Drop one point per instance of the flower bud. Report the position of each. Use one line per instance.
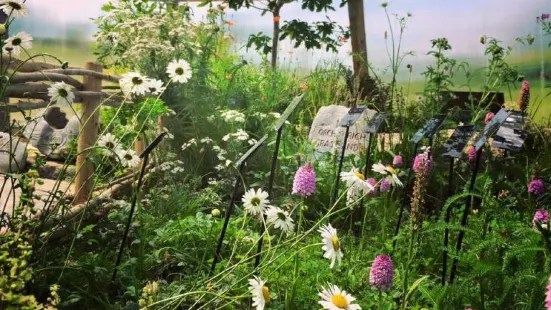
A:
(3, 29)
(215, 213)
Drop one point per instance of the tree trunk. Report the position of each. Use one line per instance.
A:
(275, 38)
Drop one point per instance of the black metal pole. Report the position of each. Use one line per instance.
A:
(129, 221)
(405, 198)
(465, 215)
(229, 210)
(339, 170)
(447, 219)
(368, 155)
(270, 191)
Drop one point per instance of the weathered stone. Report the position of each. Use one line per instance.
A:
(327, 135)
(44, 137)
(73, 127)
(56, 118)
(13, 155)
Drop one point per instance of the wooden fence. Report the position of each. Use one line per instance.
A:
(30, 85)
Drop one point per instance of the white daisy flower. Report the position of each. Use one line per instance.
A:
(61, 93)
(134, 83)
(155, 86)
(110, 144)
(335, 299)
(261, 293)
(390, 173)
(255, 201)
(331, 244)
(15, 8)
(280, 219)
(129, 158)
(179, 71)
(355, 180)
(20, 41)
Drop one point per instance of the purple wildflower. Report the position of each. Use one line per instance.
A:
(305, 181)
(524, 98)
(488, 117)
(541, 216)
(536, 187)
(423, 163)
(471, 153)
(373, 183)
(385, 186)
(548, 295)
(382, 273)
(397, 161)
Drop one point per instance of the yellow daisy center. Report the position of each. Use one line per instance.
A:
(359, 175)
(390, 169)
(266, 294)
(335, 242)
(255, 201)
(340, 301)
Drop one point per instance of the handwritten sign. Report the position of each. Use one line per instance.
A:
(453, 148)
(376, 122)
(327, 135)
(491, 128)
(429, 129)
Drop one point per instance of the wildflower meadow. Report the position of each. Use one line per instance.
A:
(172, 173)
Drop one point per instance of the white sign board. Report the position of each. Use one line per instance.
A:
(328, 136)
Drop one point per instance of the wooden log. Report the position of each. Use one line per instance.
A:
(88, 136)
(30, 105)
(30, 66)
(84, 72)
(40, 91)
(45, 76)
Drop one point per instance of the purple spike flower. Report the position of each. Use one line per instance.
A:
(524, 98)
(548, 295)
(385, 186)
(397, 161)
(536, 187)
(541, 216)
(304, 184)
(372, 182)
(381, 274)
(423, 163)
(471, 153)
(488, 117)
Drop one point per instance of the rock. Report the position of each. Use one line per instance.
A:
(46, 138)
(16, 150)
(56, 118)
(327, 135)
(72, 128)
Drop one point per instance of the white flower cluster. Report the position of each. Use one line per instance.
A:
(233, 116)
(189, 143)
(240, 135)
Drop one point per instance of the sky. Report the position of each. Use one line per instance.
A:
(462, 22)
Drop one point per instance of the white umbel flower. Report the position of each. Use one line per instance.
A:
(390, 173)
(280, 219)
(179, 71)
(331, 244)
(61, 93)
(155, 86)
(333, 298)
(109, 144)
(14, 8)
(134, 83)
(261, 293)
(255, 201)
(129, 158)
(21, 41)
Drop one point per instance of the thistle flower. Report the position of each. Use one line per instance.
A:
(541, 216)
(385, 186)
(548, 295)
(536, 187)
(398, 161)
(488, 117)
(381, 274)
(524, 98)
(304, 184)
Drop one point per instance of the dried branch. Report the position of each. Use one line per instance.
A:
(77, 71)
(29, 105)
(45, 76)
(40, 91)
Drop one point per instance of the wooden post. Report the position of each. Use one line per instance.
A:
(359, 45)
(89, 126)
